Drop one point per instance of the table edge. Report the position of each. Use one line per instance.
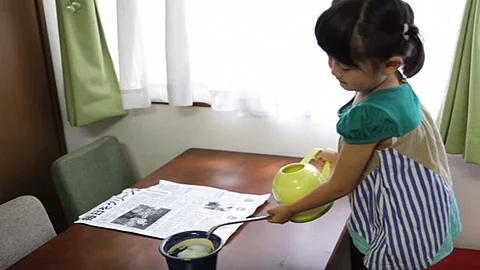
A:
(336, 250)
(191, 149)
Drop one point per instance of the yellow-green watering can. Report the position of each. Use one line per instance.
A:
(295, 180)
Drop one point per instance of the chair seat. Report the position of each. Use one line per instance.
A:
(463, 259)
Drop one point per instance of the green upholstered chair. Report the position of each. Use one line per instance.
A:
(90, 175)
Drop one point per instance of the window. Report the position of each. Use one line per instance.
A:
(256, 57)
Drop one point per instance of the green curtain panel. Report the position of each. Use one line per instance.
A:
(459, 119)
(92, 91)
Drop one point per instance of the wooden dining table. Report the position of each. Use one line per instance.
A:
(254, 246)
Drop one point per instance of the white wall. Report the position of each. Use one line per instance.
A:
(157, 134)
(154, 136)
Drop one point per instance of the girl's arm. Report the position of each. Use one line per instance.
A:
(351, 162)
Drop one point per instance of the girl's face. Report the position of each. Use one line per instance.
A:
(360, 79)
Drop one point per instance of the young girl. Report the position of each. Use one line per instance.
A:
(391, 158)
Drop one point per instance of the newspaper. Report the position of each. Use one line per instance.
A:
(168, 208)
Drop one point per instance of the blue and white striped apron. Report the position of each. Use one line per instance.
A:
(402, 210)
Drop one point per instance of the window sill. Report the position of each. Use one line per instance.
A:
(195, 104)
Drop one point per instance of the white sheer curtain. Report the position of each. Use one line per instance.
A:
(254, 56)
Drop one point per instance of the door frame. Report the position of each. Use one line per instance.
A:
(42, 24)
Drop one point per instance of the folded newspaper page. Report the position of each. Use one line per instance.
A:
(168, 208)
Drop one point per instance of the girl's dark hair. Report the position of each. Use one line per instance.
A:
(356, 30)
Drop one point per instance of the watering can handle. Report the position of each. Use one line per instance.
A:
(312, 155)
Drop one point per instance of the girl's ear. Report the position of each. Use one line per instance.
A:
(392, 65)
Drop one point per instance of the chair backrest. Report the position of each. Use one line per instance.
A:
(24, 227)
(90, 175)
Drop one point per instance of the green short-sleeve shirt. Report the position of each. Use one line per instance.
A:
(404, 187)
(391, 112)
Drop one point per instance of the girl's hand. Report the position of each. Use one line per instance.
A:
(280, 214)
(327, 155)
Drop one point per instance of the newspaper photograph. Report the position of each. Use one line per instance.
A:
(168, 207)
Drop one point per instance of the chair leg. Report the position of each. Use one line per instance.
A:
(357, 257)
